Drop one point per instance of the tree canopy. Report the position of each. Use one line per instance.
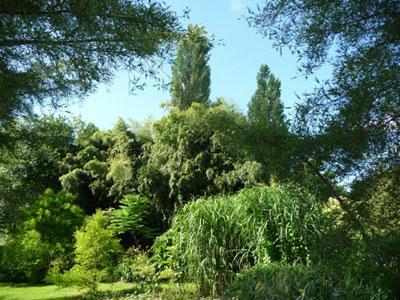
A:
(349, 126)
(54, 50)
(102, 168)
(33, 164)
(198, 151)
(356, 113)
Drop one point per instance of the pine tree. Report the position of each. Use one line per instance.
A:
(190, 71)
(265, 107)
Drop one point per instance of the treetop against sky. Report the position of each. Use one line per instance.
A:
(234, 62)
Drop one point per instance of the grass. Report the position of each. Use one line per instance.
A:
(116, 290)
(47, 292)
(218, 236)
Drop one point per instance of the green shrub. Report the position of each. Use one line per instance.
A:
(96, 254)
(357, 259)
(46, 234)
(76, 276)
(96, 247)
(166, 257)
(281, 281)
(135, 266)
(123, 271)
(175, 291)
(217, 237)
(166, 274)
(142, 270)
(25, 257)
(345, 251)
(387, 246)
(272, 281)
(56, 216)
(131, 216)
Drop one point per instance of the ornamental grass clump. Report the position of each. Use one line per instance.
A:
(219, 236)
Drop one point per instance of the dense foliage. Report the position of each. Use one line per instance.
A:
(96, 251)
(25, 257)
(45, 235)
(242, 206)
(96, 247)
(54, 50)
(354, 117)
(219, 236)
(196, 152)
(103, 166)
(33, 164)
(55, 216)
(350, 124)
(280, 281)
(132, 217)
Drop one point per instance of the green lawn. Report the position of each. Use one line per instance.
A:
(45, 292)
(113, 291)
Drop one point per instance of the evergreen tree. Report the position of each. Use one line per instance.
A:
(191, 72)
(265, 107)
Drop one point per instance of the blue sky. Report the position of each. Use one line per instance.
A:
(234, 66)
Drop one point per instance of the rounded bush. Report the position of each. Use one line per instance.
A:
(25, 258)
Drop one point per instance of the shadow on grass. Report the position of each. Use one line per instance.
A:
(102, 294)
(115, 294)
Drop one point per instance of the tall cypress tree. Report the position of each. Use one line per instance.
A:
(190, 71)
(265, 107)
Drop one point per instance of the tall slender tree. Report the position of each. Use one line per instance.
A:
(190, 71)
(265, 107)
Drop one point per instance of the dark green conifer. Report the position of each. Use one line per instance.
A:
(190, 71)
